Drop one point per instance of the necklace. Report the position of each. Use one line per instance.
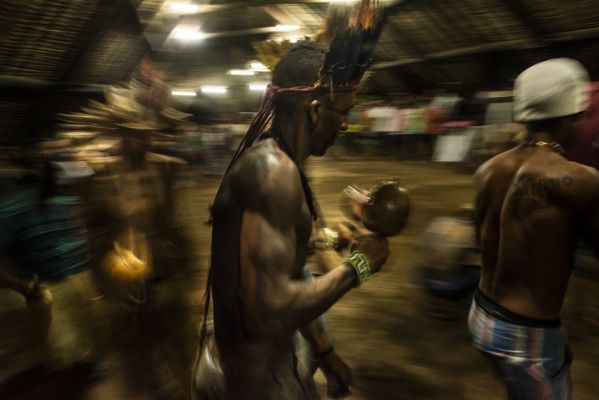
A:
(555, 146)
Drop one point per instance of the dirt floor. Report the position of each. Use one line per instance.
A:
(384, 330)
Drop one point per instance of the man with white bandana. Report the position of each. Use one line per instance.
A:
(532, 205)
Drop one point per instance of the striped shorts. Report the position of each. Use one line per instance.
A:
(534, 362)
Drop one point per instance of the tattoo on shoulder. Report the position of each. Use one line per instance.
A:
(537, 190)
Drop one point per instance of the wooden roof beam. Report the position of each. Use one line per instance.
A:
(569, 36)
(520, 10)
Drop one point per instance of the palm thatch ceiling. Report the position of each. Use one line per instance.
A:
(54, 53)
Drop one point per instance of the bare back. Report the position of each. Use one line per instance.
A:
(532, 206)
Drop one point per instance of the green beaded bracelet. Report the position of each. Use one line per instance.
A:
(360, 263)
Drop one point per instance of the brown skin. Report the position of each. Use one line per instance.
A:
(531, 206)
(338, 375)
(261, 230)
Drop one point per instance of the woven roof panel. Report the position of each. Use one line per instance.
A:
(40, 36)
(563, 16)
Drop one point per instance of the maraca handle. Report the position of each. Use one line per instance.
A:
(354, 193)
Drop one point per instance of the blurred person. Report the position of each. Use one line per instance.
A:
(262, 223)
(531, 206)
(44, 256)
(584, 148)
(453, 239)
(215, 139)
(140, 255)
(435, 117)
(449, 261)
(139, 261)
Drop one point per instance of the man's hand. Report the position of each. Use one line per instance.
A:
(37, 295)
(338, 238)
(338, 375)
(346, 235)
(375, 248)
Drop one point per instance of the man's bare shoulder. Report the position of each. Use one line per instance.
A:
(582, 171)
(502, 164)
(264, 176)
(584, 179)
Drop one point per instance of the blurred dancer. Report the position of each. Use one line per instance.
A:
(449, 262)
(584, 149)
(262, 221)
(44, 256)
(532, 204)
(139, 254)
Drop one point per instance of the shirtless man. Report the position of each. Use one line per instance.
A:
(261, 227)
(532, 205)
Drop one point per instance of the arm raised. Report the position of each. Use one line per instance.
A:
(274, 299)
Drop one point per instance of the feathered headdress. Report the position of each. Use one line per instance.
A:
(352, 44)
(138, 107)
(270, 52)
(351, 34)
